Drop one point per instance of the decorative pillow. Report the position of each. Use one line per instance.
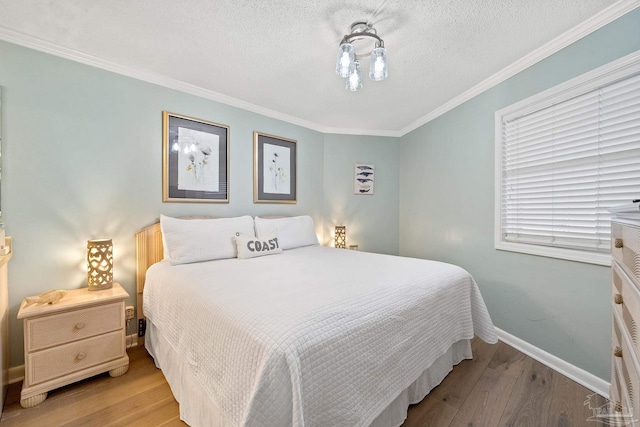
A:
(194, 240)
(292, 232)
(251, 247)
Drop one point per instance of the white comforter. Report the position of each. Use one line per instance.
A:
(315, 336)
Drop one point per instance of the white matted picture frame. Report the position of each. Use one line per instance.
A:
(363, 178)
(274, 169)
(195, 160)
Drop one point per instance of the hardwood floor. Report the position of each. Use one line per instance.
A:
(499, 387)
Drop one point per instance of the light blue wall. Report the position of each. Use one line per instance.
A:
(371, 221)
(447, 212)
(82, 159)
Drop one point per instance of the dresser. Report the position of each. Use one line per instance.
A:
(625, 273)
(80, 336)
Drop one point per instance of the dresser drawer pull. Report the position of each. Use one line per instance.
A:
(81, 356)
(618, 243)
(79, 325)
(617, 298)
(617, 352)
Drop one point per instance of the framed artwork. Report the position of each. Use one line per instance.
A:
(363, 178)
(195, 160)
(274, 169)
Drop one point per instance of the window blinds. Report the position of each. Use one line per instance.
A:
(565, 164)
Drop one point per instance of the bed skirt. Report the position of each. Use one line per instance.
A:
(197, 410)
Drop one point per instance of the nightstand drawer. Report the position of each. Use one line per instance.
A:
(58, 361)
(71, 326)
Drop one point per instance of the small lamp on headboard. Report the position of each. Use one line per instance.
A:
(341, 236)
(99, 264)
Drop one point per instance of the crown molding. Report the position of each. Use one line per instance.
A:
(597, 21)
(592, 24)
(35, 43)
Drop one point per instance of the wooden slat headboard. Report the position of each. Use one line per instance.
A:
(149, 250)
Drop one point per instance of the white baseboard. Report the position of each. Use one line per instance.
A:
(570, 371)
(16, 374)
(132, 340)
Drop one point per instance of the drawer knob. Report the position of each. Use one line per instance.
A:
(617, 298)
(81, 356)
(79, 325)
(617, 352)
(617, 243)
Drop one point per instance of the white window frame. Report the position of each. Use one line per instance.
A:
(616, 70)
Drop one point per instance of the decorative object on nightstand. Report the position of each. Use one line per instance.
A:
(340, 236)
(81, 336)
(49, 297)
(99, 264)
(625, 289)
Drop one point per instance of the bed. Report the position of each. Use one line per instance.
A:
(312, 336)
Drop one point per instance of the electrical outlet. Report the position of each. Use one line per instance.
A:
(128, 312)
(142, 327)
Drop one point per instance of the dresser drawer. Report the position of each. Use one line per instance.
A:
(625, 247)
(63, 360)
(62, 328)
(625, 366)
(626, 304)
(619, 403)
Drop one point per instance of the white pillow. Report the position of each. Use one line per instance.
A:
(292, 232)
(194, 240)
(251, 247)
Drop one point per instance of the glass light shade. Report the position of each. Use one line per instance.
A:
(99, 264)
(378, 70)
(341, 236)
(354, 79)
(346, 57)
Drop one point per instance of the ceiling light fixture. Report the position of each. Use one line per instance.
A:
(348, 63)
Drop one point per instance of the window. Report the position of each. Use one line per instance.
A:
(563, 157)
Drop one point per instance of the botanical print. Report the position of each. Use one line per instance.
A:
(198, 163)
(276, 169)
(363, 179)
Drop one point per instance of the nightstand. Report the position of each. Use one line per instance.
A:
(80, 336)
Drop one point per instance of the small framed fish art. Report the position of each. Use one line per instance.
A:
(363, 179)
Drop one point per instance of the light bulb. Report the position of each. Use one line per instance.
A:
(354, 79)
(378, 70)
(346, 57)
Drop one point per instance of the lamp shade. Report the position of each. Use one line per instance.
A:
(99, 264)
(354, 79)
(341, 236)
(378, 69)
(346, 57)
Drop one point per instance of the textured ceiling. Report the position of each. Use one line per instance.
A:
(280, 54)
